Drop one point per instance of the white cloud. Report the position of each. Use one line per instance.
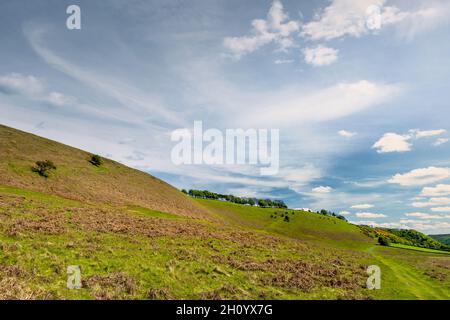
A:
(392, 142)
(421, 215)
(440, 141)
(340, 18)
(344, 213)
(441, 209)
(322, 189)
(379, 225)
(346, 134)
(276, 28)
(32, 88)
(431, 202)
(320, 55)
(350, 18)
(370, 215)
(421, 176)
(362, 206)
(437, 191)
(427, 133)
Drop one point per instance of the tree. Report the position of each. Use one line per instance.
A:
(43, 168)
(383, 241)
(184, 191)
(96, 160)
(262, 203)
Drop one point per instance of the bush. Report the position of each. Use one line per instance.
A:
(286, 218)
(383, 241)
(43, 168)
(96, 160)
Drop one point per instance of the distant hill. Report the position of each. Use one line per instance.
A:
(442, 238)
(407, 237)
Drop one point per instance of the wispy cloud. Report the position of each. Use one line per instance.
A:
(322, 189)
(346, 134)
(33, 88)
(131, 99)
(348, 18)
(362, 206)
(422, 215)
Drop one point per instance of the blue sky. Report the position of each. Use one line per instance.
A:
(362, 108)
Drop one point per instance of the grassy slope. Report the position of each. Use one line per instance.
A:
(302, 225)
(131, 247)
(75, 178)
(404, 246)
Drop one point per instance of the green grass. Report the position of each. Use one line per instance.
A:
(404, 246)
(152, 213)
(188, 267)
(409, 275)
(302, 225)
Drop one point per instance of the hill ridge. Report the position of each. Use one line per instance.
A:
(77, 179)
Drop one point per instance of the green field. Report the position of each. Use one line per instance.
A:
(135, 237)
(404, 246)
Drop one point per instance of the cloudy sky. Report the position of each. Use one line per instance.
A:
(359, 90)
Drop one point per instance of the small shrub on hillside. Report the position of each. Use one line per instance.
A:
(43, 168)
(286, 218)
(383, 241)
(96, 160)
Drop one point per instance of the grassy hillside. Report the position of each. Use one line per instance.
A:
(135, 237)
(442, 238)
(77, 179)
(299, 224)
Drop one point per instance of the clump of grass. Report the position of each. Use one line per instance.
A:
(43, 168)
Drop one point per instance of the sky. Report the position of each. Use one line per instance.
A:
(359, 91)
